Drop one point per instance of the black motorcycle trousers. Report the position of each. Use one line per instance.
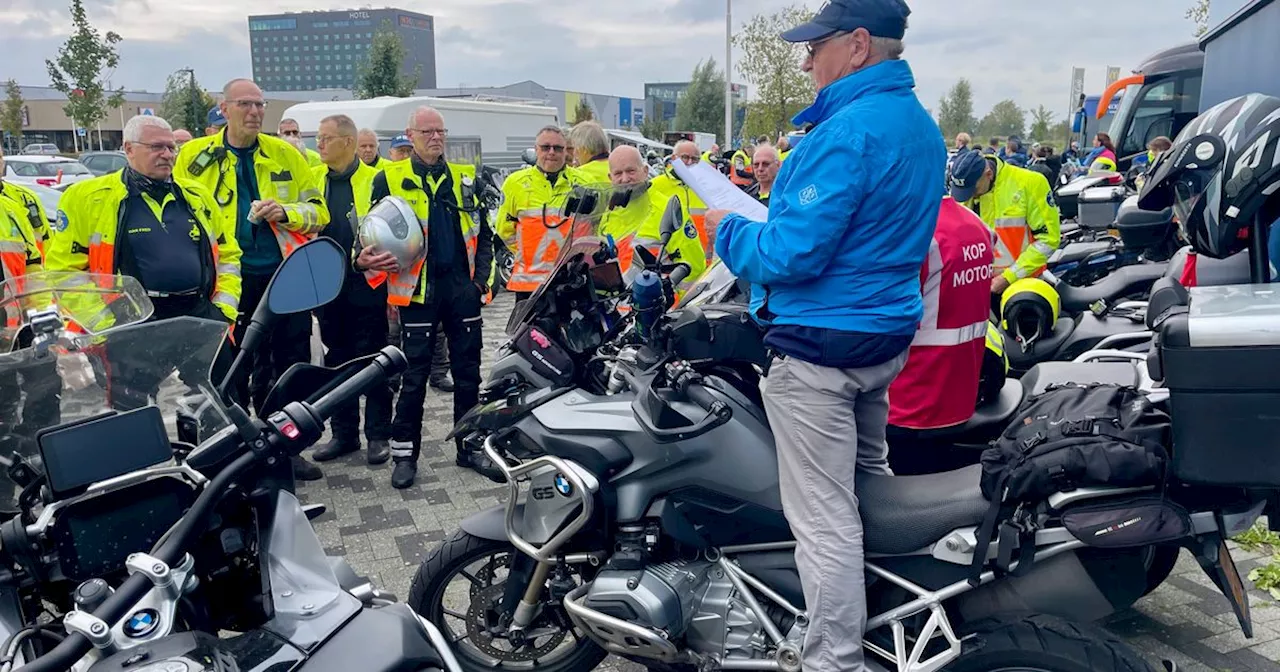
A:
(350, 330)
(454, 304)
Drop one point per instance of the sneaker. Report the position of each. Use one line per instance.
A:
(404, 473)
(443, 383)
(305, 471)
(480, 463)
(334, 449)
(379, 452)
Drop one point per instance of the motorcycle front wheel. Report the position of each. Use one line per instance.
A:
(1041, 643)
(459, 588)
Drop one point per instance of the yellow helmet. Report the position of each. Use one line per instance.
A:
(1028, 309)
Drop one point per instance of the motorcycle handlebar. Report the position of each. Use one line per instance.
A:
(678, 274)
(704, 399)
(174, 546)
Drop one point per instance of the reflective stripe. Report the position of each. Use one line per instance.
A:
(229, 269)
(226, 300)
(13, 246)
(1011, 222)
(945, 337)
(931, 292)
(1042, 247)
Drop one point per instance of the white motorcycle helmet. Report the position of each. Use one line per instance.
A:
(391, 226)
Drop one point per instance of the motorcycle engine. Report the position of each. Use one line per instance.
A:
(689, 599)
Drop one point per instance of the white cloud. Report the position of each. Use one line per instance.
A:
(1017, 49)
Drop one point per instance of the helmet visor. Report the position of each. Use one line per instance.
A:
(1189, 190)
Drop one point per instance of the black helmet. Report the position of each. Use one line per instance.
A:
(1222, 171)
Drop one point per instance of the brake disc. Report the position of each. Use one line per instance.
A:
(487, 574)
(484, 630)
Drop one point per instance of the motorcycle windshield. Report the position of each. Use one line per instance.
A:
(579, 238)
(60, 376)
(715, 286)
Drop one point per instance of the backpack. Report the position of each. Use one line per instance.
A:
(1070, 436)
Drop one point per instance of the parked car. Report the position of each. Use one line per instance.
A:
(44, 170)
(101, 163)
(49, 198)
(45, 148)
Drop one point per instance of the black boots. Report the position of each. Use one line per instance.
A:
(404, 473)
(304, 470)
(379, 451)
(480, 463)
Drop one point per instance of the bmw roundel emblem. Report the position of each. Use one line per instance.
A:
(563, 486)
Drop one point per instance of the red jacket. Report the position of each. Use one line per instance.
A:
(939, 385)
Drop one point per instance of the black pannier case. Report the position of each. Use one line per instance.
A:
(1220, 360)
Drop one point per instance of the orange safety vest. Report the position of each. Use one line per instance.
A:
(529, 223)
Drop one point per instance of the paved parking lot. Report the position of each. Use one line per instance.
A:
(385, 533)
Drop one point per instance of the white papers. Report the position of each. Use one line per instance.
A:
(718, 192)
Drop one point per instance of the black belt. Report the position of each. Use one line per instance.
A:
(172, 295)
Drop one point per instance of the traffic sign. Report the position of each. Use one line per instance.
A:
(147, 111)
(80, 132)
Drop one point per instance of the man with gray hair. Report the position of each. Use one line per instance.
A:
(292, 133)
(367, 148)
(167, 233)
(835, 273)
(591, 144)
(447, 288)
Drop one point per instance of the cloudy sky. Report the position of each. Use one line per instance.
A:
(1023, 49)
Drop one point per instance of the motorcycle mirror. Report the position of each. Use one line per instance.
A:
(672, 220)
(530, 156)
(308, 278)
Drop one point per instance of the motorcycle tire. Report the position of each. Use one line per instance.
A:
(1163, 560)
(1040, 643)
(443, 565)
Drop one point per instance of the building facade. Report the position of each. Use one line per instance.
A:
(305, 51)
(660, 99)
(610, 111)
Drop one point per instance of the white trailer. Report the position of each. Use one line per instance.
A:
(492, 133)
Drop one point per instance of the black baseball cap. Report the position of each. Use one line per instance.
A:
(881, 18)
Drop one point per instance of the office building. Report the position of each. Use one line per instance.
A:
(610, 111)
(306, 51)
(661, 99)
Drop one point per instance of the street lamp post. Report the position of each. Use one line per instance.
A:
(728, 74)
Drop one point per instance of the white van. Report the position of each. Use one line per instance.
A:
(492, 133)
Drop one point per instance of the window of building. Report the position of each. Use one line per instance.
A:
(346, 36)
(273, 24)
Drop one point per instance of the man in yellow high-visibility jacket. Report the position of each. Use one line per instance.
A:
(531, 213)
(668, 183)
(592, 146)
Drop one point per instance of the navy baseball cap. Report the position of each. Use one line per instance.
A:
(400, 141)
(966, 172)
(881, 18)
(216, 118)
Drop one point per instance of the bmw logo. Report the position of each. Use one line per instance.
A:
(563, 486)
(142, 623)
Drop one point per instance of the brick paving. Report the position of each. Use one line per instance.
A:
(385, 533)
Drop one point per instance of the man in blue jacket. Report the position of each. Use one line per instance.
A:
(836, 278)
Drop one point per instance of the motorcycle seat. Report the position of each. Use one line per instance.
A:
(1042, 375)
(1123, 282)
(902, 514)
(1021, 360)
(995, 413)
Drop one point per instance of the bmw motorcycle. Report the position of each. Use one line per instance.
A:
(125, 548)
(645, 521)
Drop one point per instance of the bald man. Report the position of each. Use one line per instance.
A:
(448, 289)
(766, 163)
(181, 137)
(638, 222)
(668, 183)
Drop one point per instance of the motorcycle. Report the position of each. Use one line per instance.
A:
(197, 540)
(647, 523)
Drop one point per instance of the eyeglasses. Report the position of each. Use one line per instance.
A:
(326, 139)
(689, 158)
(246, 104)
(815, 46)
(431, 131)
(158, 147)
(551, 148)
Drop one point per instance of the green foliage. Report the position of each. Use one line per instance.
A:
(185, 104)
(583, 111)
(11, 111)
(653, 128)
(1041, 124)
(379, 73)
(955, 111)
(78, 70)
(772, 66)
(1260, 538)
(1004, 119)
(1267, 577)
(701, 109)
(1199, 14)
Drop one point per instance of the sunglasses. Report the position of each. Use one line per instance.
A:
(551, 148)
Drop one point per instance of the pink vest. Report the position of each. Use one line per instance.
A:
(939, 385)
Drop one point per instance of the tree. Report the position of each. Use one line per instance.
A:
(653, 128)
(11, 112)
(77, 72)
(185, 104)
(701, 108)
(1041, 124)
(1199, 14)
(379, 73)
(773, 67)
(955, 111)
(1060, 135)
(583, 111)
(1004, 119)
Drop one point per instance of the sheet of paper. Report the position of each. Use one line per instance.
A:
(718, 192)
